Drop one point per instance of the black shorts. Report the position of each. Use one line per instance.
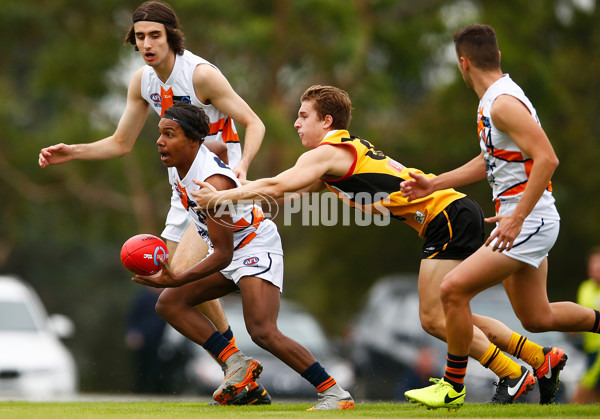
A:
(456, 232)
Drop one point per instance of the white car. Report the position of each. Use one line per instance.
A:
(34, 363)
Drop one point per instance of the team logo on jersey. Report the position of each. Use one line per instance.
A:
(251, 261)
(182, 192)
(395, 165)
(156, 98)
(419, 217)
(184, 99)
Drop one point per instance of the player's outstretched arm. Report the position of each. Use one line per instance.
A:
(417, 186)
(55, 154)
(117, 145)
(306, 173)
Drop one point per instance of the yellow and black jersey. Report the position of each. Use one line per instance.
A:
(373, 185)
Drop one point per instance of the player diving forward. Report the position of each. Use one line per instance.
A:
(450, 223)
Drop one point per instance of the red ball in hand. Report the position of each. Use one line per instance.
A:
(140, 254)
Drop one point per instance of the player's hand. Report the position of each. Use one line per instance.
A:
(241, 171)
(162, 279)
(55, 154)
(205, 197)
(504, 235)
(417, 186)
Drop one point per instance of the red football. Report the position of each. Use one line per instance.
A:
(140, 254)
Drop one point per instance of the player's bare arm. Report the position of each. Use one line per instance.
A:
(218, 148)
(512, 117)
(117, 145)
(212, 87)
(220, 230)
(419, 186)
(290, 197)
(310, 167)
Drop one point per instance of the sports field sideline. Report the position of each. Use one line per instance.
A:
(189, 410)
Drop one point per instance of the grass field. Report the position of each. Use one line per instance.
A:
(187, 410)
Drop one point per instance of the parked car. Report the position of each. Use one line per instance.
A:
(392, 353)
(34, 363)
(203, 375)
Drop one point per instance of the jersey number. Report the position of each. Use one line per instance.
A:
(371, 152)
(220, 163)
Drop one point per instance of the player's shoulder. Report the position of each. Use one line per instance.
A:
(136, 79)
(327, 156)
(135, 85)
(205, 72)
(139, 72)
(505, 108)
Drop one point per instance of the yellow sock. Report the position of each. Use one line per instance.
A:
(500, 364)
(530, 352)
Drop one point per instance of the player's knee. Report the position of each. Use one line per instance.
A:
(164, 305)
(262, 334)
(446, 292)
(451, 294)
(162, 309)
(535, 325)
(432, 324)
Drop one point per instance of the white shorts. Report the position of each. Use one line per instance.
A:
(535, 240)
(177, 221)
(263, 265)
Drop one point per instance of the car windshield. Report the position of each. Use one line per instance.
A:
(16, 317)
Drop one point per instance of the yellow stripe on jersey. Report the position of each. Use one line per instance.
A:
(373, 185)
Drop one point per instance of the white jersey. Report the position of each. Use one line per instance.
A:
(180, 88)
(507, 166)
(249, 222)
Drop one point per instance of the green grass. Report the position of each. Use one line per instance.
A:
(187, 410)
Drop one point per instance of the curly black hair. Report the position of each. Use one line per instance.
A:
(192, 119)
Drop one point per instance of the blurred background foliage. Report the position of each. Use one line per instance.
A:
(63, 78)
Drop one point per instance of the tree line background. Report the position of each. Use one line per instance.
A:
(63, 77)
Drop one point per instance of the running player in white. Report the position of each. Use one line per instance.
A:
(173, 74)
(518, 161)
(245, 254)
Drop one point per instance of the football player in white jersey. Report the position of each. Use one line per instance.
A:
(518, 161)
(246, 254)
(156, 35)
